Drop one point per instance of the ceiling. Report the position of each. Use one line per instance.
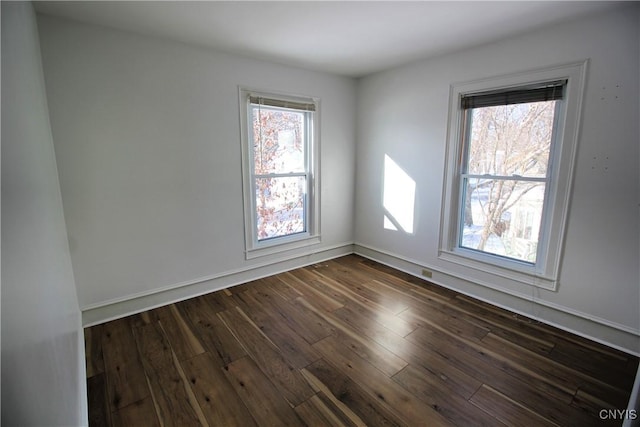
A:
(351, 38)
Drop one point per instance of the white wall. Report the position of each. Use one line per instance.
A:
(147, 139)
(43, 377)
(403, 113)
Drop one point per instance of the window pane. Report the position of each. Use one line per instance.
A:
(280, 206)
(511, 140)
(502, 217)
(278, 137)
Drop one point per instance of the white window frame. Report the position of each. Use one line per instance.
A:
(544, 273)
(311, 235)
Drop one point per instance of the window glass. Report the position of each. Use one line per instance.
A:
(280, 206)
(279, 137)
(511, 139)
(504, 178)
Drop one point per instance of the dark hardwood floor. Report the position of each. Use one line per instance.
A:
(347, 342)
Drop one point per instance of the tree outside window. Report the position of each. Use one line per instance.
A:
(279, 163)
(505, 177)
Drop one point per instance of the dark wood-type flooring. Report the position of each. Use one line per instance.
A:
(347, 342)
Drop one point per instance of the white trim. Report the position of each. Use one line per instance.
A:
(82, 375)
(283, 244)
(524, 277)
(105, 311)
(612, 334)
(546, 271)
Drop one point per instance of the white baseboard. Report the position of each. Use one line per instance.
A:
(603, 331)
(132, 304)
(582, 324)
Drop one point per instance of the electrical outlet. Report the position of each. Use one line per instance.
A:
(427, 273)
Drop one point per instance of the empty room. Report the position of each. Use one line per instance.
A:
(320, 213)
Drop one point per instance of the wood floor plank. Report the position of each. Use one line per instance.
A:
(299, 318)
(282, 288)
(98, 404)
(371, 290)
(218, 301)
(507, 325)
(183, 340)
(356, 295)
(403, 282)
(293, 347)
(561, 384)
(353, 333)
(321, 300)
(487, 366)
(262, 398)
(372, 352)
(315, 412)
(561, 375)
(291, 383)
(387, 319)
(589, 404)
(438, 292)
(506, 410)
(93, 350)
(169, 388)
(310, 325)
(592, 363)
(534, 330)
(212, 332)
(149, 316)
(335, 270)
(126, 382)
(390, 321)
(140, 413)
(416, 298)
(339, 412)
(539, 396)
(438, 365)
(450, 405)
(602, 397)
(452, 323)
(379, 386)
(218, 399)
(432, 361)
(362, 408)
(314, 290)
(394, 286)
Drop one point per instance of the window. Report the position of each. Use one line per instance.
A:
(509, 166)
(507, 141)
(280, 171)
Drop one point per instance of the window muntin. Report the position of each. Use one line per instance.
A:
(280, 168)
(504, 176)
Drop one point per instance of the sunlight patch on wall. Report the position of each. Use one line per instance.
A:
(398, 199)
(388, 224)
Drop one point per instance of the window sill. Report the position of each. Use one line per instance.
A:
(282, 244)
(500, 268)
